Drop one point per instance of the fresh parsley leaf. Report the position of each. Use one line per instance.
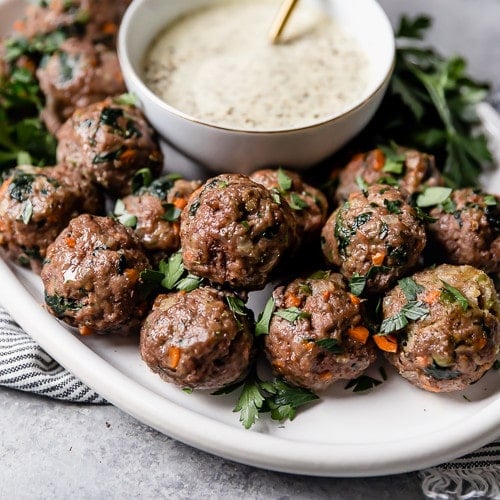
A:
(188, 283)
(357, 284)
(122, 216)
(292, 314)
(297, 203)
(284, 181)
(126, 99)
(27, 211)
(249, 403)
(362, 383)
(142, 178)
(415, 309)
(490, 200)
(410, 288)
(451, 294)
(413, 28)
(393, 206)
(362, 184)
(173, 269)
(236, 305)
(433, 195)
(172, 213)
(264, 318)
(331, 345)
(412, 310)
(393, 323)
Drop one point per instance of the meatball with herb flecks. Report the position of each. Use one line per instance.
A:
(408, 169)
(202, 339)
(235, 233)
(466, 229)
(316, 334)
(35, 205)
(91, 276)
(375, 236)
(110, 141)
(308, 203)
(154, 211)
(77, 75)
(445, 324)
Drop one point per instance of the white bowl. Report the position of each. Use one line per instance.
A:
(232, 150)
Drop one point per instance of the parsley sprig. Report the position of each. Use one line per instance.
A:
(276, 397)
(430, 106)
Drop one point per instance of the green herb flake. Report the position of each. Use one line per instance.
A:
(489, 200)
(451, 294)
(432, 196)
(172, 270)
(284, 181)
(393, 206)
(362, 384)
(292, 314)
(187, 390)
(297, 203)
(357, 284)
(362, 184)
(236, 305)
(410, 288)
(27, 212)
(264, 318)
(127, 99)
(172, 213)
(142, 178)
(330, 345)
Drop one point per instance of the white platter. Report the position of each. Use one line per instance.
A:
(394, 428)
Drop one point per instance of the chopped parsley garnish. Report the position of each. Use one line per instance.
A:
(394, 161)
(122, 216)
(331, 345)
(433, 196)
(362, 184)
(451, 294)
(172, 213)
(410, 288)
(297, 203)
(292, 314)
(441, 372)
(277, 397)
(393, 206)
(284, 181)
(357, 282)
(489, 200)
(264, 318)
(411, 311)
(61, 304)
(362, 383)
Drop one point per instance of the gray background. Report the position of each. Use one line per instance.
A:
(50, 449)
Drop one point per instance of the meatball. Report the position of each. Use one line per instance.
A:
(78, 74)
(96, 20)
(35, 205)
(467, 230)
(308, 203)
(408, 169)
(450, 330)
(154, 213)
(375, 234)
(313, 339)
(109, 140)
(91, 276)
(234, 233)
(196, 340)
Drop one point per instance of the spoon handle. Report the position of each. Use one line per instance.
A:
(281, 19)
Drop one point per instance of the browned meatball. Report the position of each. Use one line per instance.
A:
(109, 140)
(234, 233)
(467, 230)
(375, 234)
(97, 20)
(409, 169)
(195, 339)
(309, 204)
(91, 276)
(35, 205)
(154, 214)
(78, 74)
(446, 322)
(312, 339)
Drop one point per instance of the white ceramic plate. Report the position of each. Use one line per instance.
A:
(394, 428)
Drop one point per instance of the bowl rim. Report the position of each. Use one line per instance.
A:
(127, 66)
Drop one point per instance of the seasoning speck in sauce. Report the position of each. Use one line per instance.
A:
(217, 65)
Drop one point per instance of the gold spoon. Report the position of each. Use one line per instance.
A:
(281, 19)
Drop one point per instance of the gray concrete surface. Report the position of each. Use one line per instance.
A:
(53, 450)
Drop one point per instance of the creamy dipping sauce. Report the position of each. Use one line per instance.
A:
(217, 65)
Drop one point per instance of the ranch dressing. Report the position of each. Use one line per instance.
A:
(217, 65)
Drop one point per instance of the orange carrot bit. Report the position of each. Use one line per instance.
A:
(378, 159)
(481, 342)
(359, 333)
(432, 296)
(70, 242)
(18, 25)
(131, 274)
(387, 343)
(127, 155)
(326, 295)
(176, 228)
(85, 330)
(325, 376)
(5, 186)
(309, 345)
(378, 258)
(173, 356)
(354, 299)
(109, 28)
(179, 203)
(292, 300)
